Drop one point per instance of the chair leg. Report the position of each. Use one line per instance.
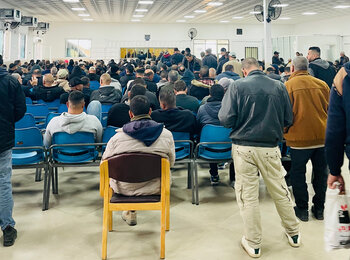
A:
(110, 221)
(56, 180)
(104, 232)
(46, 192)
(162, 233)
(192, 179)
(189, 176)
(196, 183)
(38, 174)
(167, 214)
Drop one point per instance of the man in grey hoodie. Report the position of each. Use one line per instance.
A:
(74, 121)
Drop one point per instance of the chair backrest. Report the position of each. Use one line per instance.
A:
(38, 111)
(182, 149)
(27, 137)
(29, 100)
(50, 116)
(94, 85)
(106, 108)
(53, 105)
(134, 167)
(104, 119)
(62, 108)
(215, 133)
(74, 154)
(108, 133)
(27, 121)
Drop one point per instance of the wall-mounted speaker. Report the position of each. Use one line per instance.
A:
(239, 32)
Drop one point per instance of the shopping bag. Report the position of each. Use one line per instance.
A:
(337, 220)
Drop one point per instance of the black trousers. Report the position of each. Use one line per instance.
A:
(214, 170)
(319, 176)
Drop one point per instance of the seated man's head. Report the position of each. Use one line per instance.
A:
(48, 80)
(137, 81)
(76, 84)
(18, 77)
(287, 70)
(217, 92)
(62, 74)
(105, 79)
(164, 75)
(173, 76)
(92, 70)
(180, 87)
(86, 82)
(229, 67)
(76, 102)
(212, 73)
(129, 69)
(204, 72)
(270, 70)
(167, 98)
(140, 72)
(136, 90)
(139, 105)
(149, 74)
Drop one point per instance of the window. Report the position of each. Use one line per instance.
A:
(22, 46)
(1, 42)
(78, 48)
(251, 52)
(215, 45)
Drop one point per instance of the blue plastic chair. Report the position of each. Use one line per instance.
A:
(94, 85)
(214, 147)
(27, 121)
(53, 105)
(106, 108)
(29, 100)
(50, 116)
(104, 119)
(39, 111)
(108, 133)
(62, 108)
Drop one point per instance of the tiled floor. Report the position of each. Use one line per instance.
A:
(71, 228)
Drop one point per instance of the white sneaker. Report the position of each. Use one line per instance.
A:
(129, 217)
(294, 241)
(255, 253)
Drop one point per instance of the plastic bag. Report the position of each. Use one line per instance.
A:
(337, 220)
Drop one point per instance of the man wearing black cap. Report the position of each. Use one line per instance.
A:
(276, 58)
(177, 57)
(223, 59)
(75, 84)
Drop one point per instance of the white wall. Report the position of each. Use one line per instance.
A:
(108, 38)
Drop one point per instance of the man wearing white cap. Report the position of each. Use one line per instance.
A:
(237, 67)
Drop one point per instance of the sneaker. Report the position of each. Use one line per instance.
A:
(214, 180)
(232, 184)
(318, 213)
(294, 241)
(255, 253)
(10, 235)
(302, 214)
(129, 217)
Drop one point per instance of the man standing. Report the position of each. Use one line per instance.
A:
(276, 58)
(306, 137)
(257, 109)
(319, 68)
(236, 65)
(343, 59)
(13, 108)
(209, 60)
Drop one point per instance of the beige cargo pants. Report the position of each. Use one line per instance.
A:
(249, 161)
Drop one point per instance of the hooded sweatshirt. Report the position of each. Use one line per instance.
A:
(208, 113)
(322, 70)
(12, 107)
(338, 124)
(71, 124)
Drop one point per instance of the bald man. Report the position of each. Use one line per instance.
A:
(47, 92)
(106, 94)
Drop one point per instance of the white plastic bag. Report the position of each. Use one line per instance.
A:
(337, 220)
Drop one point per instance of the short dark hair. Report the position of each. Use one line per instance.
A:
(85, 81)
(164, 74)
(204, 71)
(137, 90)
(167, 96)
(271, 69)
(140, 71)
(188, 54)
(229, 67)
(75, 82)
(139, 105)
(138, 81)
(287, 69)
(180, 85)
(76, 97)
(315, 49)
(217, 91)
(130, 68)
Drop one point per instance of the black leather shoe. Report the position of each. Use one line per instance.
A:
(302, 214)
(318, 213)
(10, 235)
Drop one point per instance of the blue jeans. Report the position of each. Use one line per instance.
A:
(95, 108)
(6, 200)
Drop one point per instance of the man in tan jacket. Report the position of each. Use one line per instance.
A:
(142, 135)
(306, 137)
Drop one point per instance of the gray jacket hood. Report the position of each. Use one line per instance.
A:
(322, 63)
(72, 123)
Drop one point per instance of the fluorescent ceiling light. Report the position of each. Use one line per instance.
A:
(342, 6)
(145, 2)
(309, 13)
(83, 15)
(224, 21)
(200, 11)
(237, 17)
(280, 5)
(135, 20)
(138, 15)
(215, 3)
(78, 9)
(285, 18)
(255, 12)
(71, 1)
(180, 21)
(189, 16)
(88, 19)
(141, 10)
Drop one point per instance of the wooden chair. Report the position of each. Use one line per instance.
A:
(135, 168)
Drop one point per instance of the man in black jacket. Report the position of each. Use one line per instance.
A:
(47, 92)
(257, 109)
(129, 76)
(319, 68)
(192, 63)
(177, 57)
(13, 108)
(209, 60)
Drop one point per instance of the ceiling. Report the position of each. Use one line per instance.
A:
(170, 11)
